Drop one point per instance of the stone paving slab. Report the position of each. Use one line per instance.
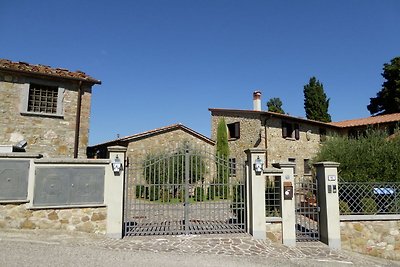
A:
(234, 245)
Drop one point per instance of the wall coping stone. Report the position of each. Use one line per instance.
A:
(273, 219)
(72, 161)
(327, 164)
(378, 217)
(272, 171)
(21, 155)
(6, 201)
(71, 206)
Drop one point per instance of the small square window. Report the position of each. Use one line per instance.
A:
(290, 130)
(234, 130)
(294, 161)
(42, 99)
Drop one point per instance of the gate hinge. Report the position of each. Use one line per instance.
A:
(318, 209)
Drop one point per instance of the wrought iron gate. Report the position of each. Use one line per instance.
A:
(307, 210)
(187, 191)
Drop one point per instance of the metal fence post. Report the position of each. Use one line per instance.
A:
(256, 190)
(329, 202)
(114, 193)
(288, 203)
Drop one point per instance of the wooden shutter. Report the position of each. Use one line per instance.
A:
(296, 131)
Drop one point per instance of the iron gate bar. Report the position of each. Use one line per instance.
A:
(307, 210)
(168, 195)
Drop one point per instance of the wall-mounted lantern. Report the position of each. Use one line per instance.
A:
(258, 166)
(116, 165)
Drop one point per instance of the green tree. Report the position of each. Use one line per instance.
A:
(166, 172)
(387, 100)
(275, 105)
(371, 156)
(315, 102)
(222, 159)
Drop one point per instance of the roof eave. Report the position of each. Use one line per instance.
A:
(41, 74)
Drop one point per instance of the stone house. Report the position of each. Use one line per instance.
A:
(48, 108)
(167, 138)
(286, 138)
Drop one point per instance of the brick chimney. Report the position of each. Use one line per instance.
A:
(257, 100)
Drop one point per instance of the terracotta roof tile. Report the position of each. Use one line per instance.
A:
(369, 120)
(24, 67)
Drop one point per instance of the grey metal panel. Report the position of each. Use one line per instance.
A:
(14, 179)
(51, 186)
(87, 185)
(58, 186)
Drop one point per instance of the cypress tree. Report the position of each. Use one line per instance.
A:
(315, 102)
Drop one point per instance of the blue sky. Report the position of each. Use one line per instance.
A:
(164, 62)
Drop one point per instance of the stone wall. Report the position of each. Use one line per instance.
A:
(52, 136)
(250, 132)
(274, 231)
(280, 149)
(167, 141)
(375, 238)
(90, 220)
(259, 132)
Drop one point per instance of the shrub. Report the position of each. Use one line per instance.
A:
(154, 193)
(165, 196)
(344, 207)
(211, 192)
(199, 194)
(140, 193)
(369, 205)
(238, 203)
(370, 156)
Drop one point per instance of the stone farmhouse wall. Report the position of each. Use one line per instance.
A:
(52, 136)
(375, 238)
(19, 216)
(164, 142)
(258, 132)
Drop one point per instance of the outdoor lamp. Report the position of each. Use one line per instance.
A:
(116, 165)
(258, 165)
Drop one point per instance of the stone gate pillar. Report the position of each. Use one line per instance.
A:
(256, 194)
(288, 207)
(329, 203)
(114, 192)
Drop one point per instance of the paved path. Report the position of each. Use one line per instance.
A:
(55, 248)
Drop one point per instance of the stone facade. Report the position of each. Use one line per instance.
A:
(274, 231)
(52, 135)
(263, 130)
(166, 139)
(375, 238)
(90, 220)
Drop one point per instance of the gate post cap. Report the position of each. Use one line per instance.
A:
(327, 164)
(116, 149)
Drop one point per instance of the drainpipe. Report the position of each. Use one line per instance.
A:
(78, 120)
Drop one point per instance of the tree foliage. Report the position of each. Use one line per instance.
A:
(167, 171)
(222, 139)
(370, 157)
(387, 100)
(315, 102)
(275, 105)
(222, 159)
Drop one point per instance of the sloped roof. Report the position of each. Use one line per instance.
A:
(161, 130)
(341, 124)
(272, 114)
(379, 119)
(42, 70)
